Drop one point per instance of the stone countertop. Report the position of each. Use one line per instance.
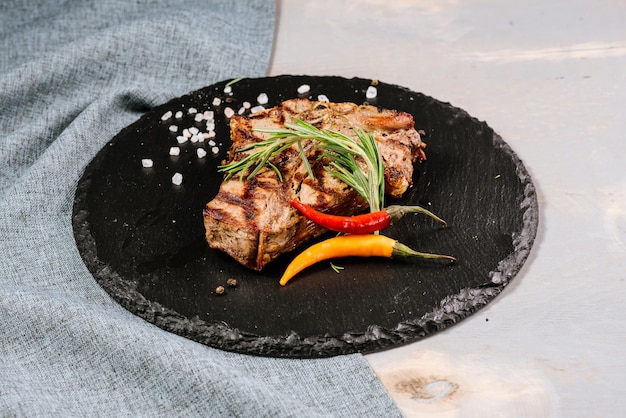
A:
(549, 78)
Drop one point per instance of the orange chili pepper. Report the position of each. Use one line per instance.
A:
(368, 245)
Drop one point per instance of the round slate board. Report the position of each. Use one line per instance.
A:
(142, 237)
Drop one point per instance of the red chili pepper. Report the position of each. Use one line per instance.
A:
(361, 224)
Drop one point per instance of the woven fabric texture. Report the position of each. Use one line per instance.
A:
(72, 74)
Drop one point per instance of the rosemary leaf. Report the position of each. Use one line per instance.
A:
(336, 268)
(305, 160)
(233, 81)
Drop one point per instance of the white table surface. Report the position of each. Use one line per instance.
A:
(550, 78)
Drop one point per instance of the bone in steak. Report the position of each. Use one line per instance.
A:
(252, 220)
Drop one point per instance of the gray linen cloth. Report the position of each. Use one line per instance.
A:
(72, 74)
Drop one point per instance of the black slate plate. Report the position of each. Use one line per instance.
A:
(143, 239)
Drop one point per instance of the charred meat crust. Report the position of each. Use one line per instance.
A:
(252, 220)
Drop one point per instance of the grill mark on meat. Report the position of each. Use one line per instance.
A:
(252, 219)
(230, 199)
(281, 115)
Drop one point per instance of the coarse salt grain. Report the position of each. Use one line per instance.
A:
(371, 92)
(179, 114)
(173, 128)
(210, 126)
(257, 109)
(228, 89)
(217, 101)
(201, 152)
(181, 139)
(186, 133)
(192, 110)
(194, 139)
(228, 112)
(166, 115)
(323, 98)
(262, 99)
(215, 150)
(174, 151)
(177, 179)
(193, 130)
(305, 88)
(208, 114)
(199, 117)
(210, 134)
(147, 163)
(212, 143)
(242, 110)
(247, 105)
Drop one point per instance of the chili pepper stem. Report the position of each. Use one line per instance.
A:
(401, 250)
(397, 211)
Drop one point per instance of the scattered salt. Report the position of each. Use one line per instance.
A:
(256, 109)
(371, 92)
(228, 112)
(242, 110)
(323, 98)
(217, 101)
(208, 114)
(147, 163)
(181, 139)
(212, 143)
(210, 126)
(228, 89)
(210, 134)
(199, 117)
(193, 130)
(177, 179)
(305, 88)
(186, 133)
(192, 110)
(166, 115)
(262, 99)
(247, 105)
(194, 139)
(201, 152)
(174, 151)
(215, 150)
(179, 114)
(173, 128)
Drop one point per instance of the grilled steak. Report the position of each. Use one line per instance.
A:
(253, 221)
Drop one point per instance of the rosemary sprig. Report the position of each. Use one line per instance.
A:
(255, 161)
(345, 156)
(343, 153)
